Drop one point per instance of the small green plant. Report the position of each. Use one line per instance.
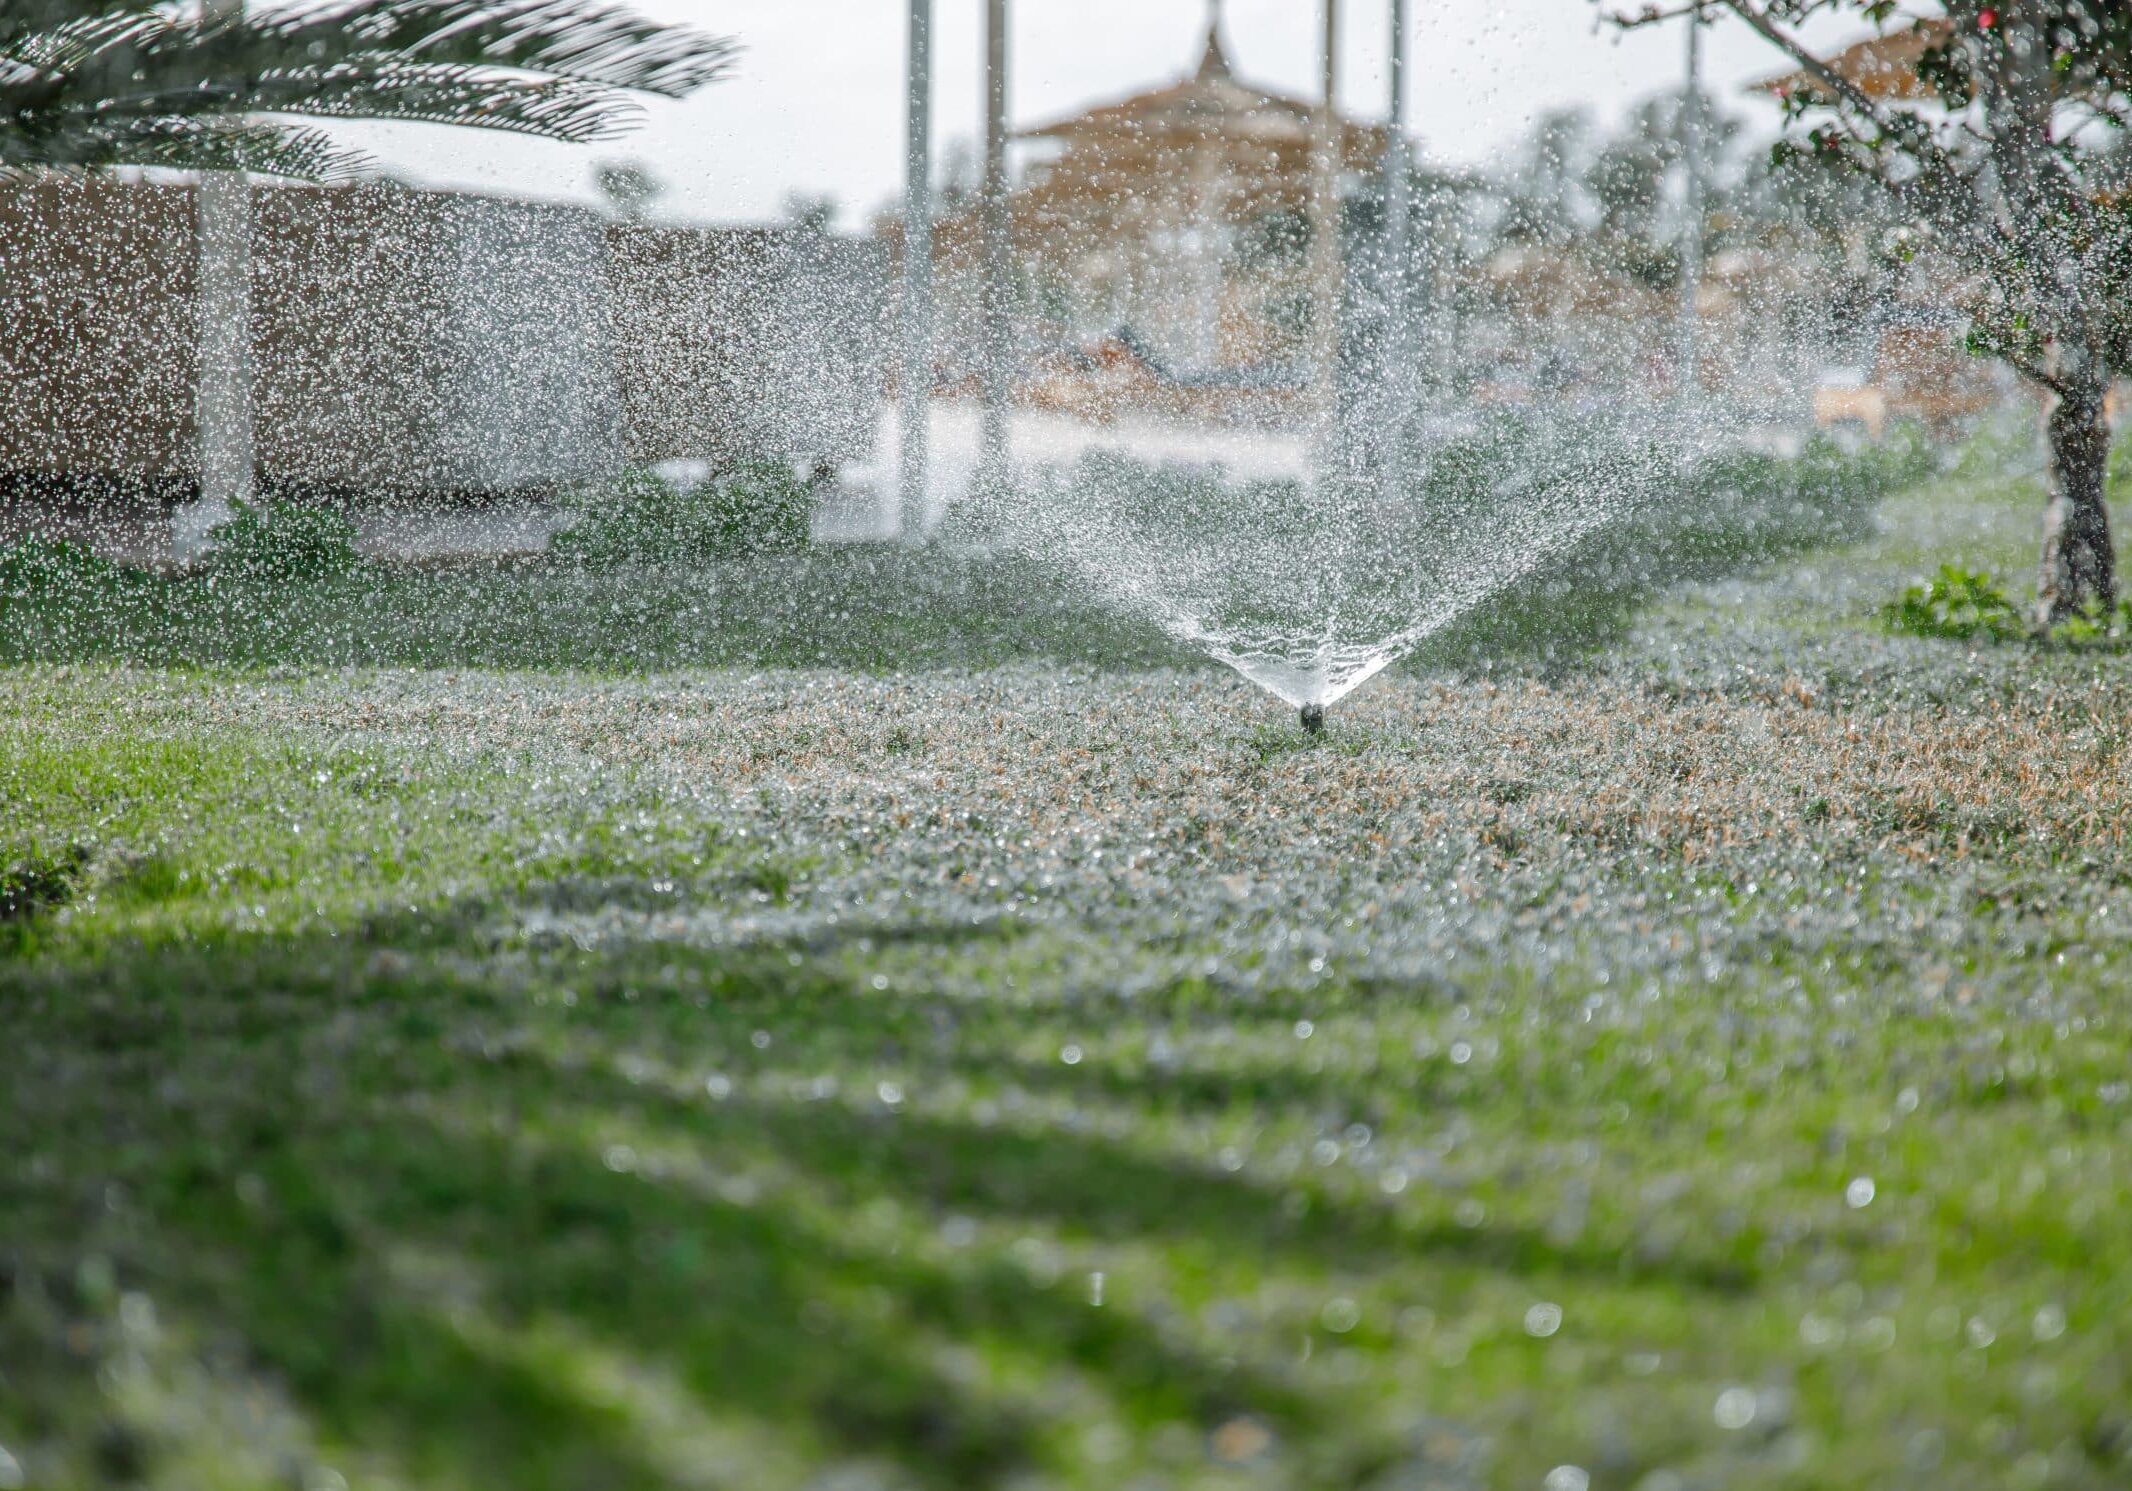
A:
(283, 542)
(2092, 626)
(31, 887)
(1958, 604)
(35, 884)
(753, 507)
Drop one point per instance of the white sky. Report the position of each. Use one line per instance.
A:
(815, 104)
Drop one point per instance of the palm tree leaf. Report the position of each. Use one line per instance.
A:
(181, 142)
(486, 98)
(101, 82)
(590, 42)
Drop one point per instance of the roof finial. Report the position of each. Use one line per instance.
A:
(1214, 62)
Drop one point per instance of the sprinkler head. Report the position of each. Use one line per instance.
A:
(1314, 718)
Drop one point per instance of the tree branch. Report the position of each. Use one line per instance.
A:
(1838, 84)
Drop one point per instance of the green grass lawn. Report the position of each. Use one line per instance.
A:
(1707, 1068)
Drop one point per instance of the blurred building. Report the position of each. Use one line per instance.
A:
(402, 340)
(1177, 217)
(419, 343)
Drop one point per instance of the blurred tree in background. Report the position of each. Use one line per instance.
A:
(629, 186)
(1984, 125)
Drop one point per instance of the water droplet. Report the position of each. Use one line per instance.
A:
(1340, 1315)
(1238, 1440)
(1876, 1333)
(719, 1088)
(2048, 1324)
(1095, 1287)
(1461, 1053)
(1543, 1319)
(1567, 1478)
(760, 1040)
(1734, 1409)
(1303, 1029)
(1859, 1193)
(1979, 1332)
(620, 1158)
(889, 1093)
(1071, 1055)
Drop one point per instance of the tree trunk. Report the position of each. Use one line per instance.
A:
(2079, 567)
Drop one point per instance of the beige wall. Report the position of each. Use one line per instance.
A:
(420, 341)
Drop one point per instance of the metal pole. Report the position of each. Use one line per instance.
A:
(1400, 355)
(1691, 253)
(1325, 226)
(917, 376)
(998, 304)
(222, 397)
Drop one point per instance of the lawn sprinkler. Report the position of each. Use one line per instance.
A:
(1314, 718)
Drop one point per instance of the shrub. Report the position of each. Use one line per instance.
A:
(32, 887)
(1956, 603)
(2095, 626)
(283, 542)
(60, 598)
(754, 507)
(37, 569)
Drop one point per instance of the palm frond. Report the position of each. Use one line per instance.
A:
(262, 147)
(594, 43)
(485, 98)
(105, 82)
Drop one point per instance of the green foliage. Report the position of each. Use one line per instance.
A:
(1957, 604)
(709, 585)
(2118, 476)
(131, 82)
(283, 543)
(33, 884)
(531, 1182)
(753, 508)
(60, 599)
(35, 569)
(1717, 515)
(2046, 248)
(2094, 626)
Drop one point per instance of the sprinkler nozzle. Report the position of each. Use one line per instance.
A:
(1314, 718)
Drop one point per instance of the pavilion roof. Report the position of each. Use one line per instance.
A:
(1210, 100)
(1883, 66)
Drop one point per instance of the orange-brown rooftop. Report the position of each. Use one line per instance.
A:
(1879, 66)
(1210, 100)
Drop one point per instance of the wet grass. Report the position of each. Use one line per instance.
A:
(281, 594)
(1707, 1072)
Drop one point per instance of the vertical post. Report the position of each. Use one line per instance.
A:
(1400, 354)
(1208, 213)
(998, 301)
(222, 401)
(1325, 226)
(917, 375)
(1691, 250)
